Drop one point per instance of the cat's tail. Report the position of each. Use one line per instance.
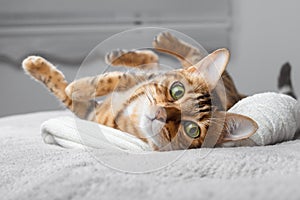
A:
(46, 73)
(284, 81)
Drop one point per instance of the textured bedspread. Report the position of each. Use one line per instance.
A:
(31, 169)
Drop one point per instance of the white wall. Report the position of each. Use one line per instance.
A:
(41, 27)
(266, 34)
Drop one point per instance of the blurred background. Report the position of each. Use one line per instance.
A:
(261, 35)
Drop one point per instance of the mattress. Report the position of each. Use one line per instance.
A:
(31, 169)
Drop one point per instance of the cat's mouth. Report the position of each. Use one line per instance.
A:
(151, 127)
(154, 125)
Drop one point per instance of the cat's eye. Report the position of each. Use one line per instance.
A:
(191, 129)
(177, 90)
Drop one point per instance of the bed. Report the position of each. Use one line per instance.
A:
(31, 169)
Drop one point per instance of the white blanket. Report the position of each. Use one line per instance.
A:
(277, 116)
(31, 169)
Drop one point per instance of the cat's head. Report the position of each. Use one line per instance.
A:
(175, 110)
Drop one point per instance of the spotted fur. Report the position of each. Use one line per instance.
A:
(142, 103)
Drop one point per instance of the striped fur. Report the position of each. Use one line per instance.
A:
(142, 103)
(43, 71)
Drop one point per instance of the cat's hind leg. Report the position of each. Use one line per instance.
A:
(141, 59)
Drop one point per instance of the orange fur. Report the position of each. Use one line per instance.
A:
(143, 104)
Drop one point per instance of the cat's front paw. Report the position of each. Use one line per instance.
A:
(34, 63)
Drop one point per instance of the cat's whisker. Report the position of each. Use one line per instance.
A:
(190, 96)
(167, 134)
(149, 96)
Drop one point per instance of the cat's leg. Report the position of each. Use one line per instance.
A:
(187, 54)
(90, 87)
(104, 84)
(46, 73)
(141, 59)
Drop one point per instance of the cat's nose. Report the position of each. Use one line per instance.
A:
(161, 114)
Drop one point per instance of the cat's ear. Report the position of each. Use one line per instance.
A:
(211, 67)
(237, 127)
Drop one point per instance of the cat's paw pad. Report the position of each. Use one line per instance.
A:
(34, 63)
(165, 41)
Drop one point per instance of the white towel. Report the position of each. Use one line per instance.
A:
(277, 116)
(71, 132)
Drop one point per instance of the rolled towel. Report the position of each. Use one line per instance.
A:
(277, 115)
(71, 132)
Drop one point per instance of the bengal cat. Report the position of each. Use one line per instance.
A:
(170, 110)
